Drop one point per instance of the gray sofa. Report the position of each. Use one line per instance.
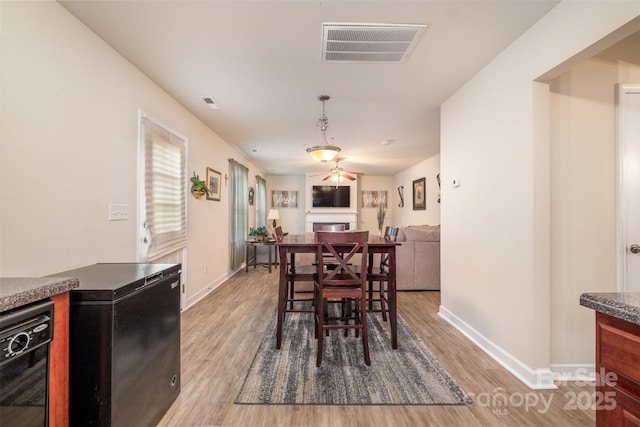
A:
(418, 258)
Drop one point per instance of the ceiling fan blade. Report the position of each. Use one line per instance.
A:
(326, 177)
(346, 175)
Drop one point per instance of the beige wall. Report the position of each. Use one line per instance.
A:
(583, 182)
(496, 250)
(427, 169)
(69, 148)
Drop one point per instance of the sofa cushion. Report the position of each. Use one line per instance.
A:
(422, 233)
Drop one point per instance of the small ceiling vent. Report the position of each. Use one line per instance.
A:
(210, 102)
(369, 42)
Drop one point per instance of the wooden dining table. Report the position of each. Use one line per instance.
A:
(306, 243)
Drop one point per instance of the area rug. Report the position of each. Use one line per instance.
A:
(410, 375)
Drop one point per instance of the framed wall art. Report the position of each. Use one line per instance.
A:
(213, 182)
(419, 195)
(284, 199)
(373, 199)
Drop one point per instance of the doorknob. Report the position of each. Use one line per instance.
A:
(635, 248)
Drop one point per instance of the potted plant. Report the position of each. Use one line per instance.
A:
(198, 187)
(259, 233)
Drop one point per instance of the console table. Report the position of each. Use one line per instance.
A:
(270, 244)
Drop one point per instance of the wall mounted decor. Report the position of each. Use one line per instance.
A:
(214, 179)
(252, 193)
(419, 196)
(401, 194)
(284, 199)
(373, 199)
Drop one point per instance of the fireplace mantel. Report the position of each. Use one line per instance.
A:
(330, 217)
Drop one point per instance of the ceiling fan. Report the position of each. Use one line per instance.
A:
(337, 174)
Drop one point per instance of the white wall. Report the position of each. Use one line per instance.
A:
(427, 169)
(495, 241)
(69, 148)
(291, 219)
(583, 180)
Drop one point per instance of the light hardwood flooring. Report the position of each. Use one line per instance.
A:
(221, 334)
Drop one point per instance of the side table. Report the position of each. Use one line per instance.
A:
(270, 244)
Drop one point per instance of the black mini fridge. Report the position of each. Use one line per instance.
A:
(124, 344)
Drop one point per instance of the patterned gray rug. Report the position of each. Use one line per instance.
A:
(410, 375)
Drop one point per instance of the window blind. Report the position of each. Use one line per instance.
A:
(261, 201)
(165, 190)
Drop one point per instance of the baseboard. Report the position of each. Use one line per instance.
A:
(537, 379)
(207, 290)
(573, 372)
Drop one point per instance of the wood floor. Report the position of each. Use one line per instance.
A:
(221, 333)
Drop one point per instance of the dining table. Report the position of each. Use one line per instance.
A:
(293, 244)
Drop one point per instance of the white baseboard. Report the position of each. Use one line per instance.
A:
(574, 372)
(537, 379)
(210, 287)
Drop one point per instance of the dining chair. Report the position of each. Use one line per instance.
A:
(380, 274)
(329, 262)
(345, 283)
(295, 273)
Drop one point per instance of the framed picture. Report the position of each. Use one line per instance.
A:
(284, 199)
(373, 199)
(419, 196)
(213, 182)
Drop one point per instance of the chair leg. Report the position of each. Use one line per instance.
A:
(291, 293)
(365, 335)
(382, 297)
(319, 329)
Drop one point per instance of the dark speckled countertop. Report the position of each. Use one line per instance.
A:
(621, 305)
(16, 292)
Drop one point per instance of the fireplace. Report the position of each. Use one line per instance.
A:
(347, 218)
(315, 224)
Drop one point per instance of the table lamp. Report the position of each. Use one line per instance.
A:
(274, 215)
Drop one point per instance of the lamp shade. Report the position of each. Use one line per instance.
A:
(273, 214)
(323, 153)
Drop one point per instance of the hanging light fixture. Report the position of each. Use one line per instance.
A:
(324, 151)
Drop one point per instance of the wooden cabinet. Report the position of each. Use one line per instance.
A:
(617, 372)
(59, 363)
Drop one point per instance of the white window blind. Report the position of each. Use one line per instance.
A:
(165, 190)
(261, 201)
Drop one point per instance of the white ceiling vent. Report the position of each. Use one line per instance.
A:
(369, 42)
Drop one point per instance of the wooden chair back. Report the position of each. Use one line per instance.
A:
(344, 247)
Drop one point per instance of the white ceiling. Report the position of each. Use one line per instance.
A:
(260, 62)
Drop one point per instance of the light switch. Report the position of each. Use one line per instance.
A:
(455, 182)
(118, 212)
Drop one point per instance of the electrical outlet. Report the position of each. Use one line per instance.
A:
(118, 212)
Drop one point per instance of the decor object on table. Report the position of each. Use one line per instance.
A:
(419, 195)
(323, 151)
(214, 179)
(274, 215)
(401, 194)
(198, 186)
(284, 199)
(421, 380)
(259, 233)
(252, 194)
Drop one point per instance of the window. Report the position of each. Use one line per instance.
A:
(163, 213)
(261, 201)
(238, 193)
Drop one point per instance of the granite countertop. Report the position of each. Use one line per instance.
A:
(621, 305)
(16, 292)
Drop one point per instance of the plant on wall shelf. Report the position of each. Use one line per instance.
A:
(198, 187)
(259, 233)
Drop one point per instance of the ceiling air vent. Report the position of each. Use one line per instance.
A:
(369, 42)
(210, 102)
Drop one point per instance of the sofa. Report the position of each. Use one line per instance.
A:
(418, 258)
